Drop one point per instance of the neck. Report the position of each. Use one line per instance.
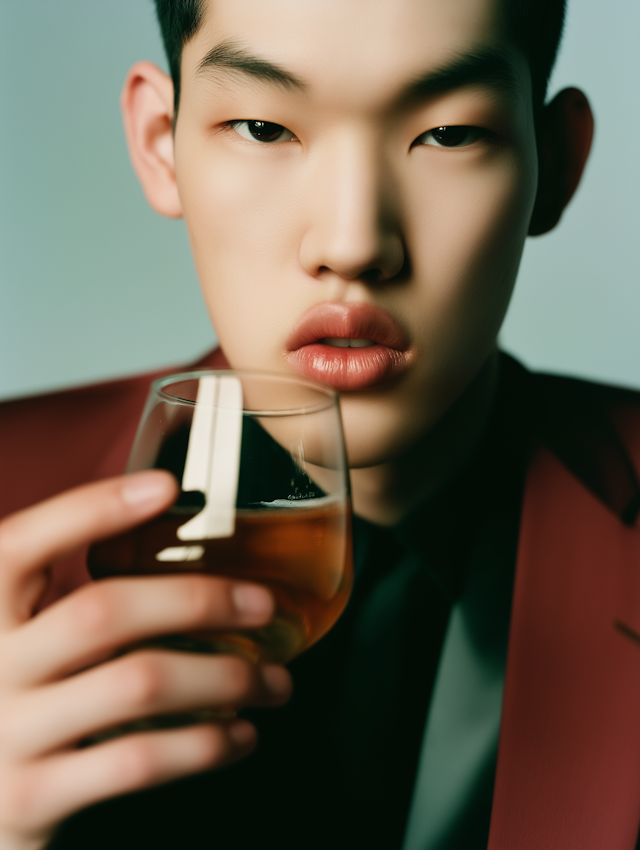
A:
(386, 493)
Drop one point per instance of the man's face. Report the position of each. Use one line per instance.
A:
(357, 218)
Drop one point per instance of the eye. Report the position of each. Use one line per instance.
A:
(262, 131)
(450, 137)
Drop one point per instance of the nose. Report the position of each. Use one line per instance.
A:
(353, 229)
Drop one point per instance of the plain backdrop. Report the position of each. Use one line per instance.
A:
(94, 285)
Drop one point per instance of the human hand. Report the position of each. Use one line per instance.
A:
(60, 681)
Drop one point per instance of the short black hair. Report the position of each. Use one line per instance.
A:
(535, 26)
(179, 21)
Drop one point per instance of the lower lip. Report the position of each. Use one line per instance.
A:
(347, 369)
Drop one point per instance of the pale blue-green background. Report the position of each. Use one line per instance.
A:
(94, 285)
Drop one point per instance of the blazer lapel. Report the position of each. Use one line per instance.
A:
(568, 773)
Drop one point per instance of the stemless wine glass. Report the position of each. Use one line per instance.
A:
(264, 497)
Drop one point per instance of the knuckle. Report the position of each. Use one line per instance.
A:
(11, 540)
(140, 680)
(19, 793)
(210, 746)
(10, 667)
(138, 762)
(8, 731)
(240, 678)
(95, 610)
(200, 597)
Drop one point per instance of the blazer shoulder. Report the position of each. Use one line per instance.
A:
(51, 442)
(594, 429)
(577, 392)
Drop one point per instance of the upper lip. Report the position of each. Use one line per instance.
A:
(347, 321)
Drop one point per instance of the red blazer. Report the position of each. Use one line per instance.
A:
(568, 773)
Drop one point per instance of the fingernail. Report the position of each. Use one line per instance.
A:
(251, 599)
(276, 679)
(145, 488)
(242, 733)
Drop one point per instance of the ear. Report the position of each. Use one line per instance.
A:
(564, 141)
(147, 111)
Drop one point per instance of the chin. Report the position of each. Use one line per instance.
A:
(377, 433)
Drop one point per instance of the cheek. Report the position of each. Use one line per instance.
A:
(466, 250)
(242, 226)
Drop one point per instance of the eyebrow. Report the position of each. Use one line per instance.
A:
(487, 67)
(229, 55)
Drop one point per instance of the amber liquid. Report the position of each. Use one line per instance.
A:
(302, 554)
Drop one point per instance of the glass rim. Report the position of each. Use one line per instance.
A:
(158, 387)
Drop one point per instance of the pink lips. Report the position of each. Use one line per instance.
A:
(348, 368)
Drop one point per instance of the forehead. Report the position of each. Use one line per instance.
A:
(365, 45)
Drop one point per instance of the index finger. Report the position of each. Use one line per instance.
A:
(92, 623)
(32, 538)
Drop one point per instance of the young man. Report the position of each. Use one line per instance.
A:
(364, 172)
